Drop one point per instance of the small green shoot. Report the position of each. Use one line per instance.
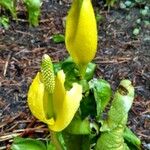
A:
(136, 31)
(33, 8)
(4, 21)
(58, 38)
(10, 5)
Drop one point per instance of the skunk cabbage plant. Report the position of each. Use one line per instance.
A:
(68, 98)
(49, 101)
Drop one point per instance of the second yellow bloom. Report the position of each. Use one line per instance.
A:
(81, 32)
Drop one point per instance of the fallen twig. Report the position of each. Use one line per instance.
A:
(6, 64)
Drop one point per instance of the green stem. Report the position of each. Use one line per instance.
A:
(55, 140)
(82, 69)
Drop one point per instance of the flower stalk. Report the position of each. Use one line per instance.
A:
(55, 141)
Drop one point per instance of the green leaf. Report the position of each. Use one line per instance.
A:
(136, 31)
(33, 8)
(112, 140)
(57, 67)
(71, 72)
(89, 71)
(112, 136)
(88, 106)
(85, 85)
(58, 38)
(4, 21)
(144, 12)
(102, 94)
(10, 5)
(27, 144)
(57, 140)
(131, 139)
(99, 18)
(51, 146)
(61, 140)
(76, 142)
(79, 126)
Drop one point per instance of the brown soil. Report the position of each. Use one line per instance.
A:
(119, 56)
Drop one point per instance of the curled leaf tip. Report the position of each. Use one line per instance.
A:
(113, 127)
(126, 88)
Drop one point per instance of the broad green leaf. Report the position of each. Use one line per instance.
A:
(79, 126)
(51, 146)
(102, 94)
(57, 67)
(76, 142)
(58, 38)
(27, 144)
(88, 106)
(131, 139)
(72, 73)
(112, 140)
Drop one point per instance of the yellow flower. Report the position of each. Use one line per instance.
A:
(61, 105)
(81, 32)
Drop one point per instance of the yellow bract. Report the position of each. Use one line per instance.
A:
(64, 103)
(81, 32)
(37, 100)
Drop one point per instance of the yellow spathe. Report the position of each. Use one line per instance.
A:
(37, 100)
(81, 32)
(64, 103)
